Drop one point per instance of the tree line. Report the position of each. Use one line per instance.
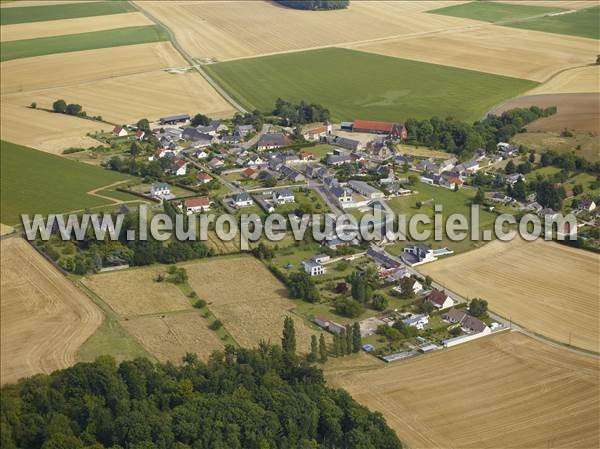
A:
(315, 5)
(263, 398)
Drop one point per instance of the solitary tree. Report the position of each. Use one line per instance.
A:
(478, 307)
(479, 196)
(356, 338)
(143, 124)
(59, 106)
(349, 339)
(336, 345)
(288, 342)
(510, 168)
(342, 342)
(314, 349)
(322, 349)
(200, 119)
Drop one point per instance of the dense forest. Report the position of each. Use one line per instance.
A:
(463, 138)
(264, 398)
(315, 5)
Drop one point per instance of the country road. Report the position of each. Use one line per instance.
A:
(190, 60)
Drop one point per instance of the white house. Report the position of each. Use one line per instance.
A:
(418, 254)
(321, 258)
(467, 322)
(242, 199)
(313, 268)
(179, 167)
(343, 196)
(418, 321)
(195, 205)
(201, 154)
(204, 178)
(283, 196)
(411, 282)
(439, 299)
(119, 131)
(160, 190)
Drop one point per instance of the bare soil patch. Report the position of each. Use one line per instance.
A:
(548, 288)
(503, 391)
(44, 318)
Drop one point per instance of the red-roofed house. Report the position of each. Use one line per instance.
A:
(439, 299)
(250, 173)
(395, 130)
(179, 167)
(306, 156)
(204, 178)
(139, 134)
(119, 131)
(195, 205)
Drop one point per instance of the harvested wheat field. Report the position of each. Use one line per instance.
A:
(66, 69)
(492, 49)
(548, 288)
(503, 391)
(580, 112)
(43, 130)
(44, 318)
(580, 79)
(71, 26)
(247, 298)
(136, 292)
(126, 99)
(169, 337)
(236, 29)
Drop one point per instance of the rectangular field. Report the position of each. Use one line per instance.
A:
(71, 26)
(36, 182)
(494, 11)
(40, 13)
(577, 80)
(373, 86)
(235, 29)
(44, 318)
(169, 337)
(582, 23)
(504, 391)
(247, 298)
(492, 49)
(136, 292)
(546, 287)
(81, 41)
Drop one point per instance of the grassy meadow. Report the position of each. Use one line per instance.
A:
(494, 12)
(372, 86)
(82, 41)
(582, 23)
(42, 13)
(36, 182)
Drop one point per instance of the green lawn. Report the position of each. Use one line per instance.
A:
(583, 23)
(83, 41)
(67, 11)
(452, 202)
(372, 86)
(36, 182)
(494, 12)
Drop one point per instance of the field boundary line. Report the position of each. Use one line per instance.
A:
(189, 59)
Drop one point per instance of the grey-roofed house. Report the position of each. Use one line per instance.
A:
(365, 189)
(199, 138)
(338, 159)
(173, 119)
(283, 196)
(242, 199)
(291, 174)
(241, 131)
(272, 140)
(342, 195)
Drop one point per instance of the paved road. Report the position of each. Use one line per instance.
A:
(191, 61)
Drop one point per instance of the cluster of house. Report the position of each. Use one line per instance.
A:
(267, 200)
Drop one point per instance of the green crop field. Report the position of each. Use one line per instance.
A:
(582, 23)
(353, 84)
(83, 41)
(494, 12)
(66, 11)
(36, 182)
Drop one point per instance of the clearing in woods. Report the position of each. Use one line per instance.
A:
(81, 41)
(44, 317)
(375, 87)
(506, 390)
(156, 314)
(546, 287)
(247, 298)
(71, 26)
(41, 13)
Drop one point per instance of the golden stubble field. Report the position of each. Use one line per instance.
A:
(236, 29)
(503, 391)
(44, 317)
(156, 314)
(71, 26)
(546, 287)
(247, 298)
(493, 49)
(577, 80)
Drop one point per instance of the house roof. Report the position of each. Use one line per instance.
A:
(249, 171)
(284, 192)
(201, 201)
(374, 126)
(272, 139)
(437, 297)
(318, 130)
(242, 196)
(204, 176)
(171, 118)
(179, 163)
